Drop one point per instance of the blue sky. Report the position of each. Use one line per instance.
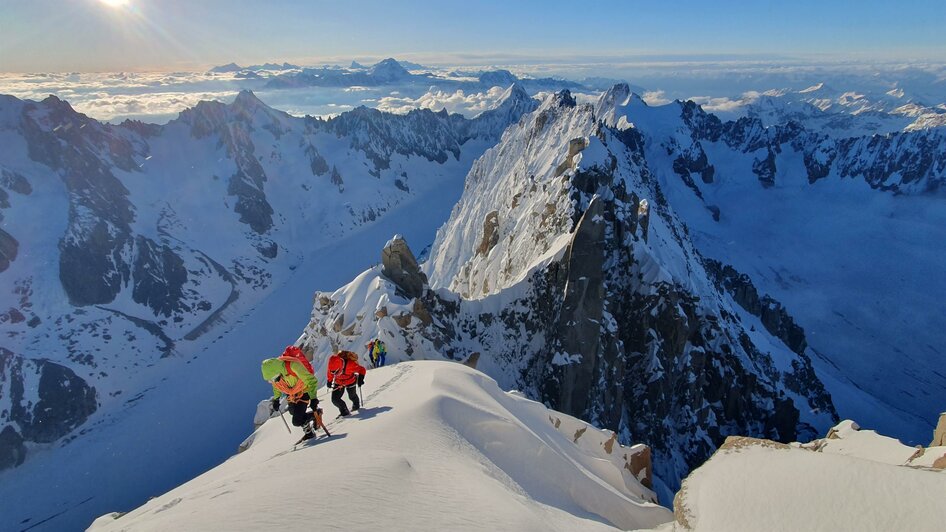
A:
(89, 35)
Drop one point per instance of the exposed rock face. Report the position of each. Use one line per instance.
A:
(939, 435)
(640, 464)
(582, 312)
(12, 450)
(765, 169)
(400, 266)
(63, 402)
(490, 233)
(773, 315)
(8, 249)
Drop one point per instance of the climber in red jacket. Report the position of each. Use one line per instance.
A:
(344, 373)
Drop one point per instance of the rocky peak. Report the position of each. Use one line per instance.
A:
(564, 98)
(229, 67)
(514, 95)
(389, 70)
(615, 96)
(939, 435)
(247, 102)
(400, 266)
(502, 78)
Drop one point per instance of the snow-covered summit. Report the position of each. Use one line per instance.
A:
(389, 70)
(438, 446)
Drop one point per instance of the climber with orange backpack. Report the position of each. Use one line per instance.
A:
(344, 373)
(291, 374)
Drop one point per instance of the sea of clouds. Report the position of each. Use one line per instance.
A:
(719, 86)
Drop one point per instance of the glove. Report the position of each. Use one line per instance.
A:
(361, 379)
(331, 385)
(275, 405)
(314, 405)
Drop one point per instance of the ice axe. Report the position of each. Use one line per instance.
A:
(283, 418)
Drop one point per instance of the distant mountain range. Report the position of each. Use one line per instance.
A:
(388, 72)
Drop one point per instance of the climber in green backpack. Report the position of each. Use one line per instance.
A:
(293, 378)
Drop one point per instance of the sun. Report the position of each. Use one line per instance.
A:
(114, 3)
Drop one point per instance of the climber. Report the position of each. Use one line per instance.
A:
(290, 377)
(376, 352)
(344, 373)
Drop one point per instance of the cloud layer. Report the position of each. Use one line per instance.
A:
(721, 87)
(435, 99)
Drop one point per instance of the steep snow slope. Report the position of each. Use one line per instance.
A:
(849, 481)
(438, 447)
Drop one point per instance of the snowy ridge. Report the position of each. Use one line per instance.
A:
(438, 447)
(850, 480)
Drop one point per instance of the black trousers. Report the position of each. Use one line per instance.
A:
(352, 394)
(298, 410)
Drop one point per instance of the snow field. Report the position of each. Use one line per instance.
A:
(438, 447)
(759, 487)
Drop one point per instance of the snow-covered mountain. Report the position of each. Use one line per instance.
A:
(566, 270)
(125, 245)
(578, 268)
(438, 447)
(841, 113)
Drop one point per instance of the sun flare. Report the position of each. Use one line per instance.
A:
(114, 3)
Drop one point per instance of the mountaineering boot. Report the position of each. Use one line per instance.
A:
(309, 432)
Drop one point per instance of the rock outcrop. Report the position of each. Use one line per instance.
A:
(62, 402)
(400, 266)
(939, 434)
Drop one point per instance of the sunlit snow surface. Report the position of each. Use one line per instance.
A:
(849, 481)
(438, 447)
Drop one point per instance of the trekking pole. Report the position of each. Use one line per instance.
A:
(283, 418)
(362, 397)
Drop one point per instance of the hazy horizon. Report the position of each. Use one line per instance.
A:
(176, 35)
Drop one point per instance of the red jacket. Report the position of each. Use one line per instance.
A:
(343, 370)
